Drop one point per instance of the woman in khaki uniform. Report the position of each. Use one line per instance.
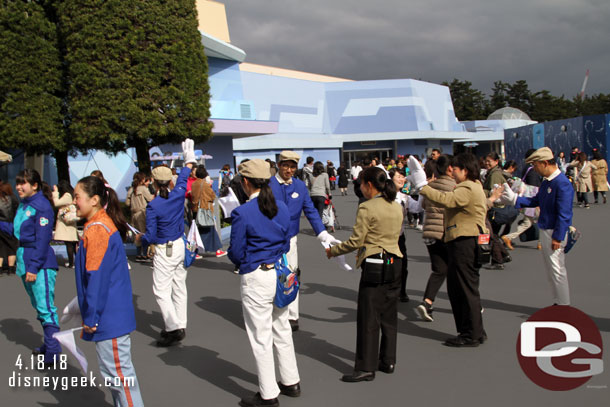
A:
(463, 221)
(375, 236)
(600, 176)
(65, 227)
(138, 197)
(583, 180)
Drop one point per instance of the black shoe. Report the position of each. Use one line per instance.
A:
(425, 311)
(171, 338)
(359, 376)
(12, 270)
(290, 391)
(507, 259)
(461, 342)
(483, 338)
(404, 298)
(385, 368)
(294, 324)
(257, 400)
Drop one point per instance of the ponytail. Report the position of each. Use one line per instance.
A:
(162, 189)
(92, 186)
(378, 179)
(266, 200)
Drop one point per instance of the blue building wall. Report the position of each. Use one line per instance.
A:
(319, 154)
(226, 91)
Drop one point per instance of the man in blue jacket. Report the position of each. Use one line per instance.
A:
(554, 198)
(293, 192)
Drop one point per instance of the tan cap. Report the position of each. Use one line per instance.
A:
(163, 174)
(542, 154)
(256, 168)
(288, 155)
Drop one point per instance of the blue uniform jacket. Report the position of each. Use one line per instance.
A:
(296, 197)
(256, 239)
(555, 199)
(102, 281)
(165, 217)
(33, 226)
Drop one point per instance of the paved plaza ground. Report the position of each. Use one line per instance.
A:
(214, 365)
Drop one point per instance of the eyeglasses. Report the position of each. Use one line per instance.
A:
(289, 166)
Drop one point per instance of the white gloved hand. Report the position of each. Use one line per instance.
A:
(417, 176)
(188, 151)
(508, 196)
(325, 237)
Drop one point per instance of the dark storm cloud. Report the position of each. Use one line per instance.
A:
(549, 43)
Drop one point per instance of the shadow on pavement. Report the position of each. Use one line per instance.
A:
(330, 290)
(206, 365)
(307, 344)
(348, 315)
(20, 332)
(149, 323)
(227, 308)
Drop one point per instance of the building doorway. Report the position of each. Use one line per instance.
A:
(358, 155)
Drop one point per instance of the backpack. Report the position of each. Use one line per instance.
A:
(226, 179)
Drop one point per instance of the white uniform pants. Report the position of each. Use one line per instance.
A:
(293, 263)
(268, 330)
(169, 285)
(554, 263)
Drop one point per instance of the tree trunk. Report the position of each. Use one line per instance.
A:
(63, 168)
(143, 155)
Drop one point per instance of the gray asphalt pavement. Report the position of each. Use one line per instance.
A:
(214, 365)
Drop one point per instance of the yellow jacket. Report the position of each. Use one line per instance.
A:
(466, 208)
(377, 228)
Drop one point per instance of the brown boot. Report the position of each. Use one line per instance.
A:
(508, 243)
(539, 247)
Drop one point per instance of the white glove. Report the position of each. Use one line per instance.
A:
(508, 196)
(325, 237)
(188, 151)
(417, 176)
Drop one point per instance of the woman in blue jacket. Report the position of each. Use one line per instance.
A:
(104, 287)
(259, 238)
(36, 262)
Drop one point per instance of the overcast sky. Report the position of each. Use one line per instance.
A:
(548, 43)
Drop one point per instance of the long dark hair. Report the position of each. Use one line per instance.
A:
(138, 179)
(468, 162)
(33, 177)
(64, 187)
(266, 200)
(318, 168)
(92, 186)
(378, 178)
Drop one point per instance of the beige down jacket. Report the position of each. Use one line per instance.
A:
(433, 220)
(65, 228)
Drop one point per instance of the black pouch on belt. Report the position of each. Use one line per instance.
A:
(381, 268)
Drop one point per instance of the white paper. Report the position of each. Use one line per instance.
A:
(66, 339)
(71, 315)
(134, 230)
(228, 203)
(339, 259)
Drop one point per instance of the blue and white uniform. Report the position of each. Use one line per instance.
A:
(554, 198)
(165, 224)
(257, 240)
(294, 194)
(33, 227)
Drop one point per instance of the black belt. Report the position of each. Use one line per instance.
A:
(28, 245)
(265, 266)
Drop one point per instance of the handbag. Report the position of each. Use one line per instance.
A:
(531, 234)
(505, 215)
(205, 217)
(192, 242)
(287, 286)
(381, 268)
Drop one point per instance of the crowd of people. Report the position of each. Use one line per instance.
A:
(463, 206)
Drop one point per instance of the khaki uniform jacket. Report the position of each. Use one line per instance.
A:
(465, 209)
(377, 228)
(600, 175)
(137, 201)
(583, 180)
(65, 231)
(434, 226)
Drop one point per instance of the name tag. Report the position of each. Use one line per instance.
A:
(483, 238)
(294, 195)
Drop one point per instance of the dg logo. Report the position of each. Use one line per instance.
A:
(560, 348)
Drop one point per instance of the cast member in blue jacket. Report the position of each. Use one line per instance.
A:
(164, 229)
(259, 237)
(554, 198)
(294, 194)
(36, 262)
(104, 290)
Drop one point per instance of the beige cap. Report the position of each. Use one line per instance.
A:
(256, 168)
(542, 154)
(288, 155)
(163, 174)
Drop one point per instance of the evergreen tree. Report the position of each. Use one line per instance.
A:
(468, 103)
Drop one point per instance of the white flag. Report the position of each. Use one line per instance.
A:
(66, 339)
(228, 203)
(339, 259)
(194, 237)
(71, 315)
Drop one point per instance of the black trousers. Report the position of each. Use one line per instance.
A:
(318, 203)
(463, 286)
(377, 310)
(595, 194)
(439, 258)
(404, 270)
